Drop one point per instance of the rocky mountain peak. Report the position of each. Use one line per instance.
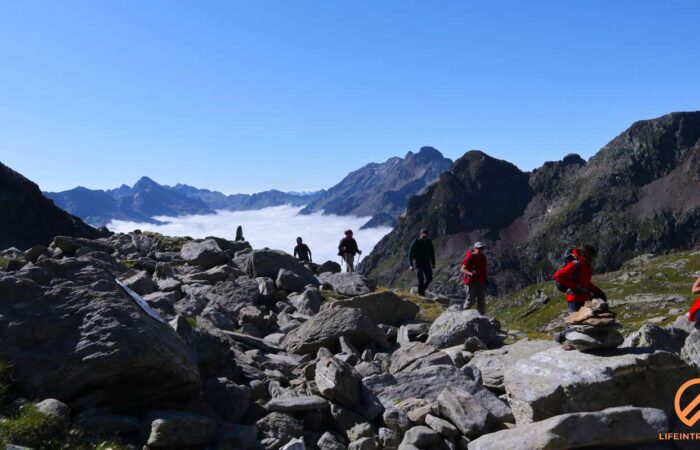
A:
(145, 183)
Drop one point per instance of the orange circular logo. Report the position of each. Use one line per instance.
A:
(684, 412)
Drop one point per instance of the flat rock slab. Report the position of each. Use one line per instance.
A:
(454, 327)
(347, 283)
(297, 404)
(555, 382)
(612, 427)
(382, 307)
(492, 363)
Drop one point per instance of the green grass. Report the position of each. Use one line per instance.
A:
(671, 274)
(169, 243)
(128, 264)
(192, 321)
(429, 310)
(3, 261)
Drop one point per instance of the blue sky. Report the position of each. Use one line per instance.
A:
(247, 96)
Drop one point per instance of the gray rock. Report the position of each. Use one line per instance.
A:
(308, 302)
(382, 307)
(354, 425)
(554, 381)
(425, 383)
(100, 423)
(35, 252)
(267, 263)
(596, 339)
(168, 285)
(347, 283)
(69, 245)
(294, 444)
(669, 339)
(280, 426)
(289, 281)
(691, 350)
(140, 283)
(66, 340)
(492, 363)
(613, 427)
(421, 437)
(409, 353)
(205, 254)
(454, 327)
(329, 266)
(167, 429)
(324, 329)
(436, 359)
(227, 299)
(338, 381)
(58, 411)
(441, 426)
(329, 441)
(214, 275)
(229, 400)
(296, 404)
(396, 420)
(366, 443)
(464, 411)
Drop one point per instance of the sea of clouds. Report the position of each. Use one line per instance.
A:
(276, 227)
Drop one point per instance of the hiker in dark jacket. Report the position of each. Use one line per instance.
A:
(302, 251)
(421, 258)
(474, 271)
(576, 277)
(347, 249)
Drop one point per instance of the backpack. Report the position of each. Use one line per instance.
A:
(569, 257)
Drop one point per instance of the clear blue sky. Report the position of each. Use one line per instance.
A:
(246, 96)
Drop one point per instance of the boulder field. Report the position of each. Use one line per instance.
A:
(251, 349)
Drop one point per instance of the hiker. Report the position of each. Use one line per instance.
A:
(474, 270)
(575, 277)
(347, 249)
(239, 234)
(692, 314)
(421, 251)
(302, 251)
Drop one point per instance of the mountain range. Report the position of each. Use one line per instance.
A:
(377, 190)
(639, 194)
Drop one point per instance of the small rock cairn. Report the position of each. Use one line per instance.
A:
(593, 327)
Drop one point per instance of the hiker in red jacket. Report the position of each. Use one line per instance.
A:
(692, 314)
(576, 277)
(474, 270)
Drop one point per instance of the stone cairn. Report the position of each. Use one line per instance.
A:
(593, 327)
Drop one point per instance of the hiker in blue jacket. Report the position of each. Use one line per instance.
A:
(421, 258)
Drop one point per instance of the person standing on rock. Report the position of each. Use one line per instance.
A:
(239, 234)
(347, 249)
(302, 251)
(692, 314)
(421, 258)
(576, 275)
(474, 270)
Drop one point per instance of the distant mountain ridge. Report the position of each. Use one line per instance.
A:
(28, 218)
(147, 199)
(377, 190)
(639, 194)
(382, 188)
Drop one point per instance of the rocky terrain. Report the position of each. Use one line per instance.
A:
(639, 194)
(29, 218)
(146, 199)
(237, 348)
(382, 189)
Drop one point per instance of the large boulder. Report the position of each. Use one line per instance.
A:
(613, 427)
(308, 302)
(67, 329)
(69, 245)
(289, 281)
(267, 263)
(347, 283)
(454, 327)
(382, 307)
(337, 380)
(492, 363)
(464, 411)
(554, 381)
(227, 299)
(205, 254)
(691, 350)
(168, 429)
(325, 328)
(329, 266)
(669, 339)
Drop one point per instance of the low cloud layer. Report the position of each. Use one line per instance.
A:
(275, 227)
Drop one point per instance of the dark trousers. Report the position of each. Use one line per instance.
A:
(572, 307)
(424, 273)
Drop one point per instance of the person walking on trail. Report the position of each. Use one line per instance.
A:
(421, 258)
(347, 249)
(474, 270)
(302, 252)
(575, 279)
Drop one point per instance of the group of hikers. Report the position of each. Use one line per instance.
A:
(574, 278)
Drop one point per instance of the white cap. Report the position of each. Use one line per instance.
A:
(479, 245)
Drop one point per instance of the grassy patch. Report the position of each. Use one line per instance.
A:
(192, 321)
(3, 262)
(666, 276)
(429, 309)
(169, 243)
(128, 264)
